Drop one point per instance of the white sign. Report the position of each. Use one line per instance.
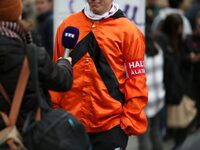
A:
(133, 9)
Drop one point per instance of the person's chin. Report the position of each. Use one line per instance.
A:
(96, 11)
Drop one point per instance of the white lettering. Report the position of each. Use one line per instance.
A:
(137, 72)
(137, 64)
(141, 63)
(132, 72)
(143, 71)
(131, 65)
(70, 35)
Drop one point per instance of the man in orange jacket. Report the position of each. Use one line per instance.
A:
(109, 89)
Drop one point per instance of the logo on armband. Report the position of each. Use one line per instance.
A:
(134, 68)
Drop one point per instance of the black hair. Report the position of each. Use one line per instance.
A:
(171, 24)
(170, 27)
(175, 3)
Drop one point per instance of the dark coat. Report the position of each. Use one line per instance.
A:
(45, 28)
(192, 12)
(193, 44)
(177, 71)
(51, 76)
(45, 32)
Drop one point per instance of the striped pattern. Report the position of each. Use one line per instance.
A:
(14, 30)
(156, 91)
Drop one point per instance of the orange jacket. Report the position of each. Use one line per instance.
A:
(102, 95)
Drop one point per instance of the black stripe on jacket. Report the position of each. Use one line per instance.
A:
(90, 45)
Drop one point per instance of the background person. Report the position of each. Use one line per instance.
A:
(175, 7)
(193, 11)
(154, 66)
(44, 24)
(193, 44)
(177, 67)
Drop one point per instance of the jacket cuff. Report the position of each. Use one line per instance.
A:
(133, 128)
(127, 126)
(63, 62)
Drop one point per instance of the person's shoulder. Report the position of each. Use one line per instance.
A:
(121, 19)
(129, 29)
(74, 16)
(127, 25)
(161, 38)
(11, 42)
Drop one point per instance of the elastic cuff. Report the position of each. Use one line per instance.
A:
(63, 61)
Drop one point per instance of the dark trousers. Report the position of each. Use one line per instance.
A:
(197, 97)
(114, 139)
(152, 139)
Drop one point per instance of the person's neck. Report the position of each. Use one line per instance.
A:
(111, 10)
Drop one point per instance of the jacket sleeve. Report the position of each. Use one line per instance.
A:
(133, 120)
(58, 52)
(54, 76)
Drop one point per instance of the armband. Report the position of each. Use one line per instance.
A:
(134, 68)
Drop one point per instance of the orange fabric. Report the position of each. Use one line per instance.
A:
(89, 99)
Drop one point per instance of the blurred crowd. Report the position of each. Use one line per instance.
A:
(173, 67)
(38, 15)
(172, 62)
